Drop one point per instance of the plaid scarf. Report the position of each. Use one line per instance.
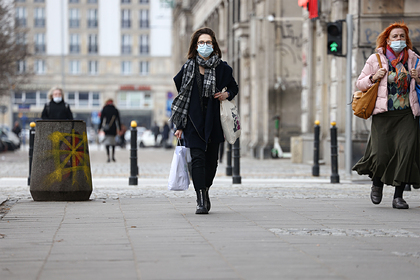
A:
(181, 102)
(401, 78)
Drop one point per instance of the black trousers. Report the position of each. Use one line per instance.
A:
(204, 165)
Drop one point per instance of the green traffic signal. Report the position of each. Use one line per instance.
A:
(333, 47)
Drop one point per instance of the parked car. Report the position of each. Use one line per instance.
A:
(9, 139)
(147, 139)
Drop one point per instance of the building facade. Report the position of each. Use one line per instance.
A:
(278, 50)
(262, 41)
(96, 50)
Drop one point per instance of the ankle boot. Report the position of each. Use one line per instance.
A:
(207, 199)
(201, 202)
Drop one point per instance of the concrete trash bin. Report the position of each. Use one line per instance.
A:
(61, 163)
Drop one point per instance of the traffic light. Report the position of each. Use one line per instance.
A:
(335, 38)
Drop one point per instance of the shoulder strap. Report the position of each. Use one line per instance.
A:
(416, 63)
(379, 60)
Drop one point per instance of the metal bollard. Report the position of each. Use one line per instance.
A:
(134, 169)
(335, 178)
(229, 160)
(315, 167)
(31, 148)
(236, 178)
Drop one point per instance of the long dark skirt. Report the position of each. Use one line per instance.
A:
(393, 149)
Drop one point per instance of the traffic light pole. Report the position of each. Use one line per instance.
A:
(349, 94)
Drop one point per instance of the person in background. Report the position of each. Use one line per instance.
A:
(56, 109)
(392, 155)
(156, 132)
(196, 109)
(110, 125)
(17, 129)
(165, 135)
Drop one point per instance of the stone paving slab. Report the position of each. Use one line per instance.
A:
(160, 237)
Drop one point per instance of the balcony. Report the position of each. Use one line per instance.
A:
(40, 48)
(92, 23)
(74, 23)
(74, 48)
(39, 22)
(126, 49)
(144, 49)
(125, 23)
(93, 49)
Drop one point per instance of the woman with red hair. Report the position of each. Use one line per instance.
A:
(392, 155)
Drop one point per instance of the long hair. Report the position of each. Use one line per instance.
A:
(192, 52)
(50, 92)
(381, 40)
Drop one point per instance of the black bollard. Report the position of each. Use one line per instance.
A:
(31, 148)
(236, 178)
(315, 167)
(335, 178)
(134, 169)
(229, 160)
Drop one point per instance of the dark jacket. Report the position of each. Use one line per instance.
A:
(57, 111)
(107, 112)
(199, 130)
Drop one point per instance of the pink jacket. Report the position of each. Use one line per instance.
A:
(363, 83)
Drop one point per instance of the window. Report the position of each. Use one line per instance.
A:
(74, 17)
(39, 66)
(39, 39)
(93, 67)
(93, 43)
(39, 17)
(135, 99)
(92, 18)
(39, 1)
(125, 1)
(126, 67)
(38, 98)
(74, 43)
(74, 68)
(21, 66)
(83, 99)
(126, 44)
(125, 18)
(20, 16)
(92, 1)
(144, 44)
(144, 18)
(144, 67)
(143, 1)
(74, 1)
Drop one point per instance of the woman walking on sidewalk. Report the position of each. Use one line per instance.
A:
(110, 125)
(196, 109)
(392, 155)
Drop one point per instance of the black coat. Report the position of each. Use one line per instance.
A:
(107, 112)
(57, 111)
(199, 130)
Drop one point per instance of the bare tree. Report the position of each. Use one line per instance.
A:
(14, 51)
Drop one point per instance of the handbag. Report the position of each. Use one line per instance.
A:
(363, 102)
(229, 118)
(107, 126)
(178, 176)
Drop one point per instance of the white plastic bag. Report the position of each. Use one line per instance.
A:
(229, 118)
(178, 176)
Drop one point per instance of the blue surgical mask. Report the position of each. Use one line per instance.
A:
(398, 46)
(205, 50)
(57, 99)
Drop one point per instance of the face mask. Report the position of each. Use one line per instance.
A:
(398, 46)
(205, 51)
(57, 99)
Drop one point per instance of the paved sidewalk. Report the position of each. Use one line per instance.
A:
(280, 223)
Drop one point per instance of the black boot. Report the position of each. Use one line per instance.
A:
(201, 202)
(206, 193)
